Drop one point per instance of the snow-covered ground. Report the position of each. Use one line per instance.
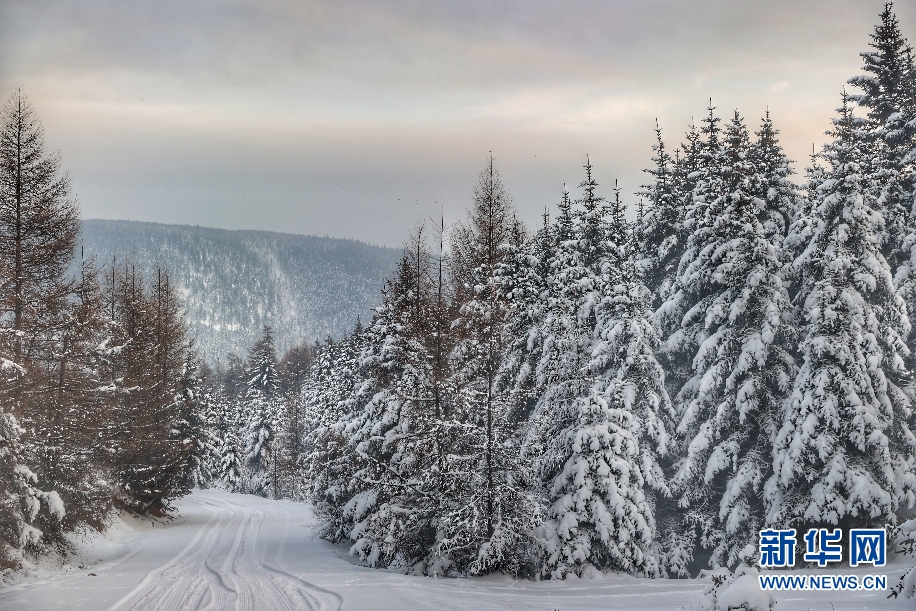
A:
(232, 551)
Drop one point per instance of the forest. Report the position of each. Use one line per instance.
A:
(592, 394)
(99, 405)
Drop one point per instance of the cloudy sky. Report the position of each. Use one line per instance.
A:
(360, 118)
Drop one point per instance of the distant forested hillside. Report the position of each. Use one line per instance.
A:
(232, 282)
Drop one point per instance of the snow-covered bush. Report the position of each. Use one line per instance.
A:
(738, 591)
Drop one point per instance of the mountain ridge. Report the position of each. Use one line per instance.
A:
(233, 281)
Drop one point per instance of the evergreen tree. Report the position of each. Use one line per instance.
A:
(231, 467)
(584, 245)
(777, 196)
(394, 507)
(888, 97)
(844, 453)
(259, 436)
(263, 375)
(598, 425)
(262, 407)
(20, 499)
(659, 231)
(526, 281)
(191, 434)
(228, 470)
(730, 301)
(331, 393)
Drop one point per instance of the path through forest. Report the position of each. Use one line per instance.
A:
(238, 552)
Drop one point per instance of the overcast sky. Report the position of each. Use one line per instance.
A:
(360, 118)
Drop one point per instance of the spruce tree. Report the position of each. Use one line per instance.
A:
(332, 393)
(844, 453)
(262, 407)
(730, 301)
(394, 433)
(659, 232)
(888, 97)
(601, 434)
(777, 195)
(525, 280)
(20, 498)
(584, 246)
(231, 474)
(192, 437)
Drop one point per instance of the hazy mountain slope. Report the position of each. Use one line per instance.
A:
(232, 282)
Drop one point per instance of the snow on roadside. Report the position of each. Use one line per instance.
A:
(91, 547)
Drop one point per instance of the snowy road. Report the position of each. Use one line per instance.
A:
(226, 567)
(219, 555)
(241, 553)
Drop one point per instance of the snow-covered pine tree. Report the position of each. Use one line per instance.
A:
(777, 195)
(397, 432)
(690, 166)
(889, 98)
(602, 447)
(262, 373)
(845, 452)
(330, 394)
(725, 314)
(228, 467)
(20, 499)
(659, 232)
(525, 280)
(258, 435)
(799, 234)
(191, 433)
(541, 313)
(583, 245)
(231, 473)
(211, 398)
(262, 410)
(567, 322)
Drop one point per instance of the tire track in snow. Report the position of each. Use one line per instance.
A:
(289, 592)
(184, 575)
(222, 568)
